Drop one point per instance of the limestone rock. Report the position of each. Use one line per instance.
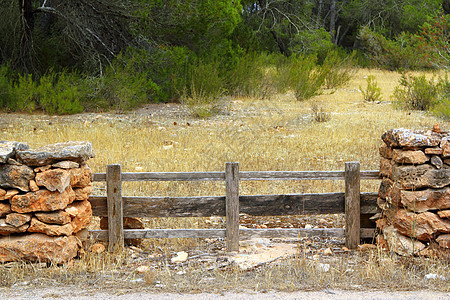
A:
(38, 248)
(409, 157)
(98, 248)
(5, 208)
(421, 176)
(82, 193)
(6, 229)
(16, 177)
(42, 168)
(59, 217)
(444, 241)
(9, 194)
(8, 149)
(42, 200)
(81, 177)
(422, 226)
(67, 164)
(429, 199)
(2, 193)
(48, 229)
(33, 186)
(411, 138)
(433, 151)
(385, 151)
(437, 162)
(50, 154)
(54, 179)
(386, 167)
(83, 214)
(444, 214)
(401, 244)
(445, 145)
(18, 220)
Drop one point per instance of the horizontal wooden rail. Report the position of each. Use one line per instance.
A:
(245, 233)
(243, 175)
(255, 205)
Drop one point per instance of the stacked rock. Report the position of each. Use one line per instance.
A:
(414, 194)
(44, 207)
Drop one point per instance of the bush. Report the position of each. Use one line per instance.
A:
(302, 75)
(416, 93)
(338, 71)
(203, 95)
(442, 107)
(372, 92)
(319, 113)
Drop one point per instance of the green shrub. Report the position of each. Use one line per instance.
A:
(416, 93)
(338, 71)
(442, 107)
(204, 93)
(300, 74)
(5, 86)
(372, 92)
(24, 94)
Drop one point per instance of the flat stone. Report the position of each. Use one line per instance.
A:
(386, 167)
(5, 208)
(33, 186)
(423, 226)
(2, 193)
(445, 145)
(433, 151)
(38, 248)
(59, 217)
(42, 200)
(81, 177)
(82, 193)
(54, 179)
(444, 214)
(421, 176)
(437, 162)
(9, 194)
(409, 157)
(385, 151)
(82, 213)
(411, 138)
(50, 229)
(444, 241)
(8, 149)
(17, 220)
(16, 177)
(6, 229)
(67, 164)
(401, 244)
(50, 154)
(424, 200)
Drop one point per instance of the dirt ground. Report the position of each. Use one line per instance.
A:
(75, 293)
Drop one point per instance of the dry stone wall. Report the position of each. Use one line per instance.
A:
(414, 194)
(44, 207)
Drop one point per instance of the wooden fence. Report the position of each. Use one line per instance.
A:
(354, 204)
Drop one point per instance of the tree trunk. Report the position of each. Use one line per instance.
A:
(333, 21)
(26, 40)
(280, 43)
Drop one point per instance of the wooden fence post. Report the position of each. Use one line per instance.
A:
(352, 204)
(232, 205)
(115, 207)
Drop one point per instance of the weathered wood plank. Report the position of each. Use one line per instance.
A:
(352, 204)
(232, 205)
(244, 233)
(256, 205)
(291, 175)
(246, 175)
(115, 208)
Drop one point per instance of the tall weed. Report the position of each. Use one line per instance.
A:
(372, 93)
(416, 93)
(338, 71)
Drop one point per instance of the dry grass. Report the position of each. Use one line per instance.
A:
(275, 134)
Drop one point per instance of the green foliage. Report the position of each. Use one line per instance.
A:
(302, 75)
(338, 71)
(249, 77)
(203, 94)
(372, 92)
(416, 93)
(442, 107)
(312, 42)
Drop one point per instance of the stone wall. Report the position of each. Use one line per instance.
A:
(414, 194)
(44, 207)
